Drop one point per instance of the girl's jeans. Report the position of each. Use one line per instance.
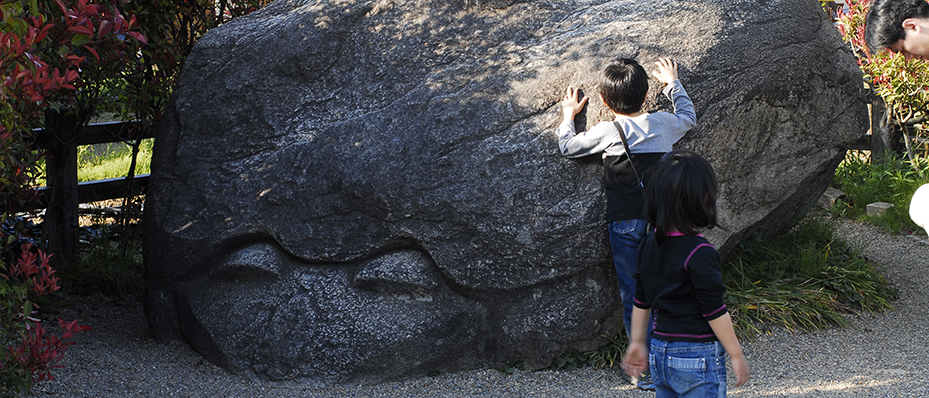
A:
(691, 370)
(625, 236)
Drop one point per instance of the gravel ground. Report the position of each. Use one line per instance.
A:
(878, 355)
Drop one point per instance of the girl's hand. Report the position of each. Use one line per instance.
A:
(667, 70)
(635, 362)
(741, 369)
(571, 105)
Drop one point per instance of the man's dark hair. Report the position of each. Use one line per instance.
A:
(623, 86)
(884, 21)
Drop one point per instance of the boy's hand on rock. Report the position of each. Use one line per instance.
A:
(571, 105)
(667, 70)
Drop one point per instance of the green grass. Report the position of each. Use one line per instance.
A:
(893, 180)
(110, 261)
(102, 161)
(612, 353)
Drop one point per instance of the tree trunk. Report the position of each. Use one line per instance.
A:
(885, 136)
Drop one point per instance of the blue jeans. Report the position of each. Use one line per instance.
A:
(689, 370)
(625, 236)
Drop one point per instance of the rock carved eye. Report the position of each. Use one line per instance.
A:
(407, 274)
(258, 262)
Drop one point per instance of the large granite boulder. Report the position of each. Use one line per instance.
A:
(355, 191)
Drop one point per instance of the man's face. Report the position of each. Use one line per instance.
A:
(916, 42)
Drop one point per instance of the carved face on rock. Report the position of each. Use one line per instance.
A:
(300, 263)
(325, 219)
(367, 253)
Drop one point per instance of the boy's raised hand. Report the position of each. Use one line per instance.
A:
(571, 105)
(667, 70)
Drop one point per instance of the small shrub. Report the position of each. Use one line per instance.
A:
(510, 369)
(571, 360)
(612, 353)
(29, 350)
(803, 280)
(110, 258)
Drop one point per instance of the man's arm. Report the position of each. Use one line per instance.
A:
(685, 118)
(667, 70)
(704, 270)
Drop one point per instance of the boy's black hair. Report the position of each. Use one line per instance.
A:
(681, 194)
(623, 86)
(884, 21)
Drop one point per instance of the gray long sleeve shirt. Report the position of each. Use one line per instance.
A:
(650, 132)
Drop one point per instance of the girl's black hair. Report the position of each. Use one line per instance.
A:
(681, 193)
(624, 86)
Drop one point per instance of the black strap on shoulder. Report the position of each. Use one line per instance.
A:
(622, 136)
